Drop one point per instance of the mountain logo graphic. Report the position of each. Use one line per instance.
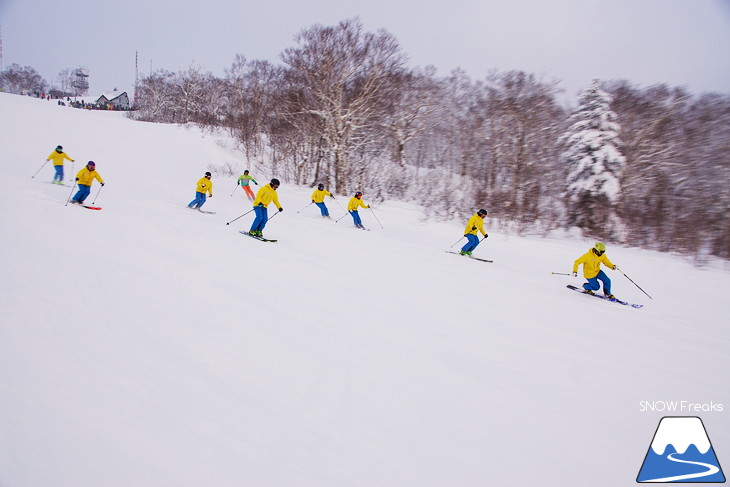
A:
(680, 452)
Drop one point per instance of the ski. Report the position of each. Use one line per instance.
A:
(470, 256)
(206, 212)
(92, 207)
(600, 296)
(257, 238)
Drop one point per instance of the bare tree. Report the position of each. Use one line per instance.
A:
(16, 79)
(341, 70)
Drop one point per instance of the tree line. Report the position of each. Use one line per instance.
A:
(647, 167)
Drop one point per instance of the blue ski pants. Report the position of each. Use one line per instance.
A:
(592, 284)
(82, 194)
(262, 216)
(472, 243)
(323, 209)
(198, 201)
(59, 173)
(356, 218)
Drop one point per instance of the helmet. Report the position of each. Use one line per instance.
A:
(207, 174)
(275, 182)
(320, 186)
(358, 194)
(600, 246)
(91, 163)
(482, 212)
(245, 172)
(59, 148)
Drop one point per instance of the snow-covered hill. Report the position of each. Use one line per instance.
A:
(150, 345)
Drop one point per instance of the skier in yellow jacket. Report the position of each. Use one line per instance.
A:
(592, 261)
(264, 197)
(204, 184)
(474, 225)
(352, 207)
(58, 156)
(318, 199)
(84, 178)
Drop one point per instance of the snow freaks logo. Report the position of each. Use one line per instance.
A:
(680, 452)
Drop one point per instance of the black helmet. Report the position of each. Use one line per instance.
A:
(320, 186)
(275, 182)
(482, 212)
(207, 174)
(245, 172)
(358, 194)
(59, 149)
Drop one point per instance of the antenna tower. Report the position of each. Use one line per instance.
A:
(136, 76)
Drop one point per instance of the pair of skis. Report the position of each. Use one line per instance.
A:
(605, 298)
(470, 256)
(257, 237)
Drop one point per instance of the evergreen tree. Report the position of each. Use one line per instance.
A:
(594, 164)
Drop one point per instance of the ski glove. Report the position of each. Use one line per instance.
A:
(574, 274)
(102, 184)
(281, 209)
(77, 179)
(473, 228)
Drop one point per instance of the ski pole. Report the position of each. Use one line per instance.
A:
(560, 273)
(249, 211)
(97, 194)
(310, 204)
(452, 245)
(376, 219)
(72, 192)
(39, 170)
(269, 219)
(338, 203)
(340, 218)
(234, 189)
(632, 282)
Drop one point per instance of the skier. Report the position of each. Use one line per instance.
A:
(592, 270)
(58, 156)
(265, 195)
(84, 178)
(244, 181)
(204, 184)
(474, 225)
(355, 203)
(318, 199)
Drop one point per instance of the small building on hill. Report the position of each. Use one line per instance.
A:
(116, 99)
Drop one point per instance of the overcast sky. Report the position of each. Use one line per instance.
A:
(679, 42)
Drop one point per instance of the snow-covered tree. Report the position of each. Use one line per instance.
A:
(594, 164)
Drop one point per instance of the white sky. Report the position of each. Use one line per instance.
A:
(679, 42)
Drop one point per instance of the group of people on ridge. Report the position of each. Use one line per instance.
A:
(591, 260)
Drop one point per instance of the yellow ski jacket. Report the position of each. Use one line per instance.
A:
(319, 195)
(475, 221)
(592, 264)
(356, 203)
(86, 177)
(58, 158)
(204, 184)
(266, 195)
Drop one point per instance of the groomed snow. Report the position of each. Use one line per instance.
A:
(150, 345)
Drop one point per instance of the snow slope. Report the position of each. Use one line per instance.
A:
(150, 345)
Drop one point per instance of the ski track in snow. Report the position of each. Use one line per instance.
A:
(144, 345)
